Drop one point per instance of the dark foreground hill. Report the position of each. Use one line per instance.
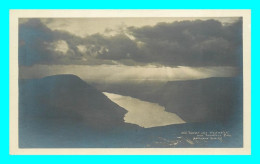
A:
(63, 111)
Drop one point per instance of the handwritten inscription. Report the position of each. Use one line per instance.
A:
(206, 135)
(193, 139)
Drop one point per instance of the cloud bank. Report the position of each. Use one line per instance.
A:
(187, 42)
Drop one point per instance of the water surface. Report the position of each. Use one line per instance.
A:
(144, 113)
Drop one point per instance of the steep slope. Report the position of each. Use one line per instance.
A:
(64, 111)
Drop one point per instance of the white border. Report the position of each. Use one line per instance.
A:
(15, 14)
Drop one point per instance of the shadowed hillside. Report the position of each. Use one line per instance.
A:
(64, 110)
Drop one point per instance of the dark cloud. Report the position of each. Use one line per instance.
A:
(37, 44)
(193, 43)
(32, 34)
(187, 43)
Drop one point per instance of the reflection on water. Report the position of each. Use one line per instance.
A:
(143, 113)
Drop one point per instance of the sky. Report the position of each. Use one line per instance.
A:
(149, 48)
(111, 74)
(83, 27)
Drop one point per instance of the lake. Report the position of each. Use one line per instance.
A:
(144, 113)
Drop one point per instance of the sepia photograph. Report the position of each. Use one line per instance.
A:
(139, 81)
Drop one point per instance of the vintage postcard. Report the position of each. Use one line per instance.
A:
(130, 82)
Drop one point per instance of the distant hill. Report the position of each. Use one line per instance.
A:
(211, 99)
